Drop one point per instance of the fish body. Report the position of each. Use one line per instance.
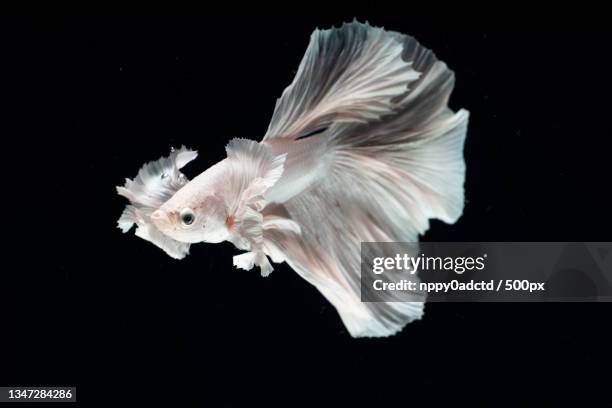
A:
(361, 147)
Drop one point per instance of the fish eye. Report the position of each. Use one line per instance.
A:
(187, 216)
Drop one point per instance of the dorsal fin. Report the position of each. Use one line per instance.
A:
(348, 74)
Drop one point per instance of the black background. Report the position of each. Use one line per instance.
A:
(112, 314)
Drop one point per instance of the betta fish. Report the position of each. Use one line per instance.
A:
(361, 147)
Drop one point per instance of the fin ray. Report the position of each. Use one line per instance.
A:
(348, 74)
(155, 183)
(390, 173)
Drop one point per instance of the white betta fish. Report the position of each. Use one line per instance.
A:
(362, 147)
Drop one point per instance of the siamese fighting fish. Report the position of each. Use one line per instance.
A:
(361, 147)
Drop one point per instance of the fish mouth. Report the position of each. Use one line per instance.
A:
(161, 219)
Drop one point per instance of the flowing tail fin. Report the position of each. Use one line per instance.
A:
(395, 154)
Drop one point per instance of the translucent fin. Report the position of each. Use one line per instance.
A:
(389, 175)
(158, 180)
(176, 249)
(348, 74)
(155, 183)
(253, 170)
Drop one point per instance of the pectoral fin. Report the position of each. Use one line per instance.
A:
(253, 170)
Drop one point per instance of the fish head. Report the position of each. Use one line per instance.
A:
(191, 217)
